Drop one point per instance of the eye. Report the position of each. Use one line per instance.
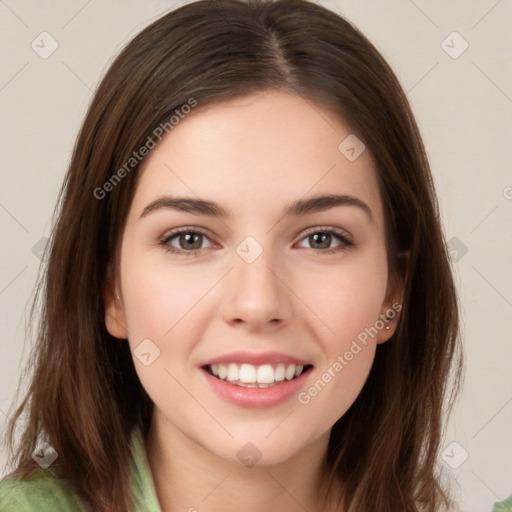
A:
(184, 241)
(321, 238)
(187, 241)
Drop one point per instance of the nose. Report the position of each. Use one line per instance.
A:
(257, 294)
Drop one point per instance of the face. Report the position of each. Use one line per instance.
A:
(250, 286)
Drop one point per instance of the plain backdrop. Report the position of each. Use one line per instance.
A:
(454, 60)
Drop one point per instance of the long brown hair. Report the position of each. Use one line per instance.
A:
(85, 396)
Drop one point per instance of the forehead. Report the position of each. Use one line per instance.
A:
(260, 150)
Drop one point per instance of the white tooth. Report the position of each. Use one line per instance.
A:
(298, 370)
(265, 374)
(290, 372)
(232, 371)
(279, 372)
(223, 371)
(215, 369)
(247, 373)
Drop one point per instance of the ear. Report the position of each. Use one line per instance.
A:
(114, 314)
(393, 302)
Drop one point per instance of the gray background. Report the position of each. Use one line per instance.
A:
(463, 103)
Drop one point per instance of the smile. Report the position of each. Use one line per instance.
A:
(256, 376)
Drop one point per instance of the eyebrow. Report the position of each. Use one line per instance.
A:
(300, 207)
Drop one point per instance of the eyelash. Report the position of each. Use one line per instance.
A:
(346, 240)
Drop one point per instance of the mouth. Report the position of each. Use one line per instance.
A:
(256, 376)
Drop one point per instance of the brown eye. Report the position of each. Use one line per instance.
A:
(322, 239)
(185, 241)
(190, 240)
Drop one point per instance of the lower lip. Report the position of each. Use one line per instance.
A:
(256, 397)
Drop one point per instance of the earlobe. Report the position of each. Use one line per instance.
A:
(393, 304)
(114, 313)
(390, 322)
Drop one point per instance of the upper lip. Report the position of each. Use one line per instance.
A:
(256, 358)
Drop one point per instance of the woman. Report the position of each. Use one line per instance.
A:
(197, 349)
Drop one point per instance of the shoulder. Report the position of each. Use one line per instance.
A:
(42, 491)
(503, 506)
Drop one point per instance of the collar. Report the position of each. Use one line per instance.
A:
(142, 483)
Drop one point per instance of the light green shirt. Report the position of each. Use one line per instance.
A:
(45, 491)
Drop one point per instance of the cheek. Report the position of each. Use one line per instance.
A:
(336, 385)
(346, 299)
(162, 304)
(160, 299)
(346, 302)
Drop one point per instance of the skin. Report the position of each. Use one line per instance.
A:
(253, 155)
